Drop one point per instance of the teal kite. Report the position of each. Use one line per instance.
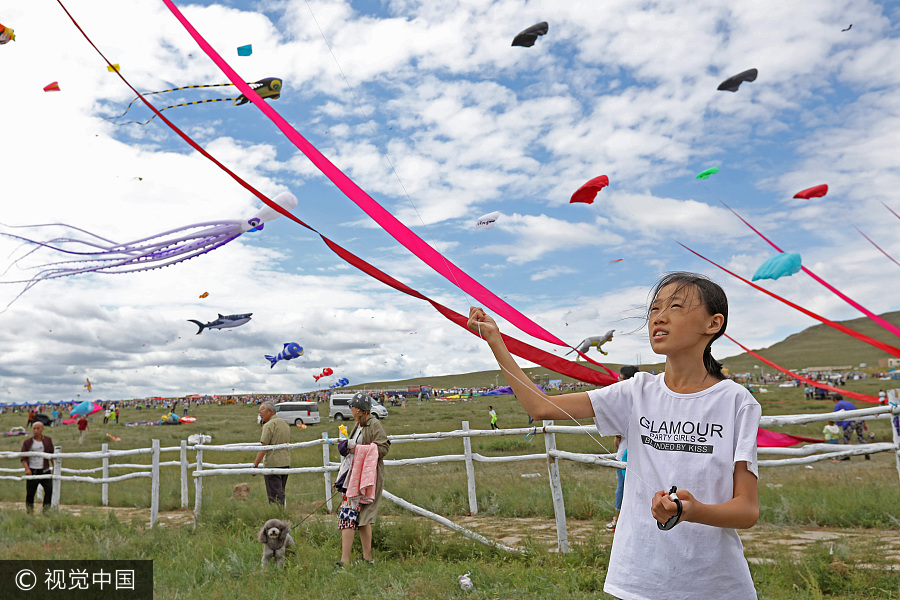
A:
(780, 265)
(705, 174)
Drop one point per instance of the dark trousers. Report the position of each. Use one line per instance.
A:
(852, 426)
(31, 486)
(275, 485)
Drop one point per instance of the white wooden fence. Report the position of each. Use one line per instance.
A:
(803, 455)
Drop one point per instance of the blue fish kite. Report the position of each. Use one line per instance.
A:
(291, 350)
(340, 383)
(222, 322)
(780, 265)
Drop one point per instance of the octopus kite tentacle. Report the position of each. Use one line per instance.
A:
(102, 255)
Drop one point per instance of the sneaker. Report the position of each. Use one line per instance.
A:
(363, 561)
(338, 567)
(611, 526)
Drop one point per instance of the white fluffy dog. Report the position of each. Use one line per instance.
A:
(276, 537)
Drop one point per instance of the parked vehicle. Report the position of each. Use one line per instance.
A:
(339, 408)
(296, 413)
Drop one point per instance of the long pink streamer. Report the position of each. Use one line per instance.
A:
(386, 220)
(837, 292)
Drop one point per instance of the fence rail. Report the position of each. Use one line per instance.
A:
(804, 455)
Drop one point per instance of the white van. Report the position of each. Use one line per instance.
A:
(340, 408)
(296, 413)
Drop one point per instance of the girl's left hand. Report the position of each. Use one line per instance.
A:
(663, 509)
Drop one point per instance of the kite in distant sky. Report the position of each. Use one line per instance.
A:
(88, 386)
(734, 82)
(223, 322)
(340, 383)
(6, 34)
(529, 36)
(817, 191)
(268, 88)
(245, 50)
(488, 220)
(588, 191)
(596, 341)
(114, 68)
(52, 87)
(291, 350)
(204, 294)
(706, 174)
(616, 260)
(848, 28)
(326, 372)
(780, 265)
(100, 255)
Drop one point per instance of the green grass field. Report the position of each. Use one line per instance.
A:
(220, 559)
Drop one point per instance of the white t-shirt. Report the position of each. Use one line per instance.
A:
(691, 441)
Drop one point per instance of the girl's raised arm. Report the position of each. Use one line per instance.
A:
(535, 402)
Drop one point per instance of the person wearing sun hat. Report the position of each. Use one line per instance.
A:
(368, 431)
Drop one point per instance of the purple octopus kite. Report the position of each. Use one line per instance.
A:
(100, 255)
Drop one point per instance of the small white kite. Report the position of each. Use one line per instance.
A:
(488, 220)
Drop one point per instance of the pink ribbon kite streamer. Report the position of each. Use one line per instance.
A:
(378, 213)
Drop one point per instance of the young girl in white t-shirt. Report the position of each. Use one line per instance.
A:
(688, 427)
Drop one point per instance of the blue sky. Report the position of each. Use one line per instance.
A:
(471, 125)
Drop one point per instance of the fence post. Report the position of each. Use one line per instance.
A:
(198, 486)
(154, 485)
(470, 471)
(184, 476)
(104, 487)
(326, 459)
(559, 507)
(56, 480)
(895, 433)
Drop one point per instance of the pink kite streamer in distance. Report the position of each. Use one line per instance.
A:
(775, 439)
(812, 382)
(837, 292)
(842, 328)
(877, 246)
(378, 213)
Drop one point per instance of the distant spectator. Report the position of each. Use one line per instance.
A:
(82, 429)
(493, 415)
(37, 465)
(832, 433)
(849, 426)
(882, 397)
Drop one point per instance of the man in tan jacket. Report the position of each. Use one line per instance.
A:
(275, 431)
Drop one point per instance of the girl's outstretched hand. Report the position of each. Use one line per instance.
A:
(482, 324)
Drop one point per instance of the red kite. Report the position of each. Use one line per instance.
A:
(814, 192)
(588, 191)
